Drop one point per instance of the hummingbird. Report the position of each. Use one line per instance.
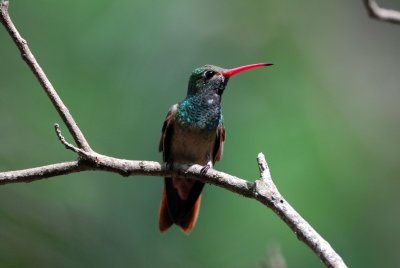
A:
(193, 133)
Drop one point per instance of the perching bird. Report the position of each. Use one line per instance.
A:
(193, 133)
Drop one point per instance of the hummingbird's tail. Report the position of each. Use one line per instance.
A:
(180, 203)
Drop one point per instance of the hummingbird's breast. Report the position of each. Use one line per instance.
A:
(192, 145)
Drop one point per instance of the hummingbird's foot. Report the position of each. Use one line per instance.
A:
(205, 168)
(169, 165)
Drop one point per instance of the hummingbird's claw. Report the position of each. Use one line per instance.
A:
(205, 169)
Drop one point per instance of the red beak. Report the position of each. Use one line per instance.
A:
(231, 72)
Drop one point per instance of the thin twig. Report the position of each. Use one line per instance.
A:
(42, 78)
(263, 190)
(383, 14)
(68, 145)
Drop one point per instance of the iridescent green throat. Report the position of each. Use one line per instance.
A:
(202, 112)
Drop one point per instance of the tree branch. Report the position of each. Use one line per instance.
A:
(267, 193)
(376, 12)
(263, 189)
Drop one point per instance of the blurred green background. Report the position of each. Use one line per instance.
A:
(326, 115)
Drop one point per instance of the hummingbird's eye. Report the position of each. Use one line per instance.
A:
(209, 74)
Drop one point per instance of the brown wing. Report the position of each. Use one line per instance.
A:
(167, 132)
(165, 219)
(219, 143)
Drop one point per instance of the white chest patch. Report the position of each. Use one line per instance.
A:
(210, 101)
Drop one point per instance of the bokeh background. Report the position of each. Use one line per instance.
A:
(326, 115)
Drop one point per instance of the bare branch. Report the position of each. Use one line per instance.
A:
(267, 193)
(42, 78)
(376, 12)
(263, 190)
(38, 173)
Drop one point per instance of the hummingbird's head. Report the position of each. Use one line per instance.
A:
(213, 79)
(207, 79)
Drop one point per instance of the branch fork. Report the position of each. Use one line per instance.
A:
(262, 190)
